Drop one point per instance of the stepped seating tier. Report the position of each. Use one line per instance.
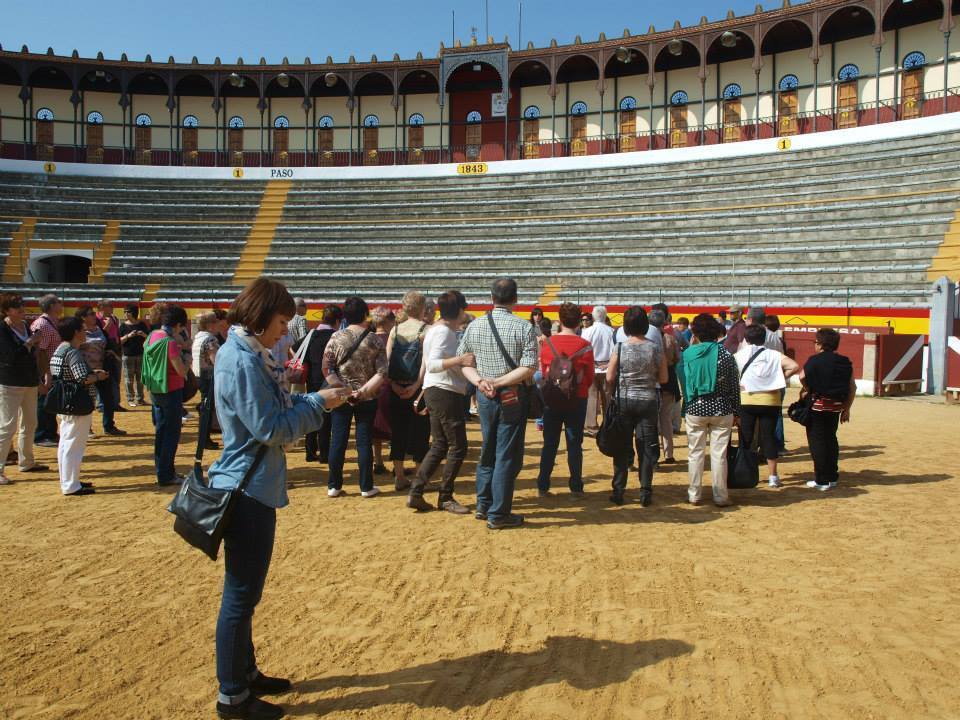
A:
(855, 224)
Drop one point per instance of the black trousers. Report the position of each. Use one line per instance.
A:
(318, 442)
(766, 416)
(409, 432)
(449, 431)
(824, 448)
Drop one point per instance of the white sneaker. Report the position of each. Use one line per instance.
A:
(334, 492)
(4, 480)
(812, 484)
(131, 404)
(774, 481)
(372, 492)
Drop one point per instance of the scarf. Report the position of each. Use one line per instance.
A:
(275, 370)
(700, 369)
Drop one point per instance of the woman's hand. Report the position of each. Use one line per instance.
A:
(333, 397)
(845, 416)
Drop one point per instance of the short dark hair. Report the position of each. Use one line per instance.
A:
(662, 307)
(635, 322)
(175, 315)
(83, 311)
(546, 327)
(461, 298)
(504, 291)
(332, 315)
(723, 314)
(828, 339)
(10, 300)
(69, 327)
(772, 322)
(48, 301)
(684, 321)
(132, 310)
(355, 310)
(656, 317)
(258, 303)
(755, 334)
(706, 328)
(449, 305)
(569, 315)
(220, 313)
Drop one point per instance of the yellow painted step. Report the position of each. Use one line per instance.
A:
(550, 295)
(150, 291)
(947, 260)
(16, 266)
(260, 238)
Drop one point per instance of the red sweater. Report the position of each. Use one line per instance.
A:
(583, 364)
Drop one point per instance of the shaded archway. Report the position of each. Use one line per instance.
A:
(373, 83)
(194, 86)
(284, 86)
(101, 81)
(238, 85)
(847, 23)
(50, 78)
(786, 36)
(626, 64)
(578, 68)
(147, 84)
(329, 84)
(677, 55)
(902, 14)
(724, 49)
(9, 75)
(419, 82)
(58, 268)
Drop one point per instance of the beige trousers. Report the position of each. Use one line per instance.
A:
(18, 401)
(718, 430)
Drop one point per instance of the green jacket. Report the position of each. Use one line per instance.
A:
(700, 369)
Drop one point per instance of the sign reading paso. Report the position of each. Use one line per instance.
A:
(475, 168)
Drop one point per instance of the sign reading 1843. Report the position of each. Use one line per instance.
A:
(475, 168)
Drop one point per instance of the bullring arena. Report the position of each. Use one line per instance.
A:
(804, 159)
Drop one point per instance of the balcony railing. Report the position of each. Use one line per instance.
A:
(801, 123)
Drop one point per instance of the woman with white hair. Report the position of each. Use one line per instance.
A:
(600, 336)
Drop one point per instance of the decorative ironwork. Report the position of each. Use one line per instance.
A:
(578, 108)
(474, 117)
(914, 60)
(94, 118)
(732, 91)
(325, 122)
(532, 112)
(281, 122)
(191, 121)
(236, 123)
(143, 120)
(628, 103)
(371, 121)
(680, 97)
(416, 120)
(848, 72)
(788, 83)
(45, 114)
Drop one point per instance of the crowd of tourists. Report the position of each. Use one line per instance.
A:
(413, 378)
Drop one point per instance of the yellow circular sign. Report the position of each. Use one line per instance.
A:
(783, 144)
(238, 172)
(49, 167)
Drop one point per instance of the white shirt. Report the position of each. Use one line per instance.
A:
(655, 336)
(765, 372)
(600, 336)
(439, 344)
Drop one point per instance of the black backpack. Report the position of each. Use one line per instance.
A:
(560, 383)
(405, 358)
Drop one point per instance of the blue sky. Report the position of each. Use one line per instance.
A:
(297, 28)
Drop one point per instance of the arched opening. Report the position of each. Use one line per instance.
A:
(786, 36)
(575, 69)
(677, 55)
(902, 14)
(59, 268)
(729, 46)
(188, 89)
(372, 84)
(477, 87)
(529, 73)
(234, 87)
(847, 23)
(626, 62)
(283, 86)
(417, 111)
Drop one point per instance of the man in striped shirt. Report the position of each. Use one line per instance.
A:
(501, 376)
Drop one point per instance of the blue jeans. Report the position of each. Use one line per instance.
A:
(248, 547)
(363, 413)
(167, 421)
(778, 431)
(500, 459)
(571, 422)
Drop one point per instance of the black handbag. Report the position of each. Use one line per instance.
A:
(68, 398)
(743, 471)
(202, 512)
(800, 411)
(615, 435)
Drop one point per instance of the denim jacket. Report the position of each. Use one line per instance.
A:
(251, 411)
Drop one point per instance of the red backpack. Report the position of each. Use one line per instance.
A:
(560, 383)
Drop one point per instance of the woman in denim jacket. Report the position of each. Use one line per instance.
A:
(254, 409)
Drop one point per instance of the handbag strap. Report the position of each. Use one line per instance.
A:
(619, 363)
(351, 351)
(496, 336)
(258, 458)
(752, 358)
(203, 431)
(301, 353)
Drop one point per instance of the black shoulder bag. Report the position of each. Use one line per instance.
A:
(66, 397)
(512, 402)
(743, 470)
(202, 512)
(615, 435)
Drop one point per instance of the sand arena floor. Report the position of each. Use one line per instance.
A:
(792, 604)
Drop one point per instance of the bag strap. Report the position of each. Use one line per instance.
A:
(496, 336)
(258, 458)
(752, 358)
(203, 432)
(581, 351)
(301, 353)
(546, 339)
(351, 351)
(616, 393)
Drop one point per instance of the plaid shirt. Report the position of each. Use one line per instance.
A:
(49, 335)
(519, 339)
(297, 327)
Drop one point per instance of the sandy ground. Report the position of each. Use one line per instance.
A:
(791, 604)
